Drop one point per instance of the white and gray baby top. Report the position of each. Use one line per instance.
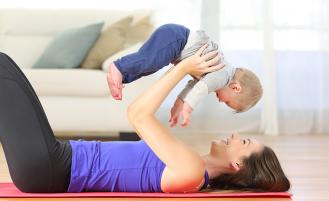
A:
(195, 89)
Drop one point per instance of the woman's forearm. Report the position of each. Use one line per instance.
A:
(150, 100)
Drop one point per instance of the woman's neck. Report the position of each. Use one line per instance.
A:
(214, 167)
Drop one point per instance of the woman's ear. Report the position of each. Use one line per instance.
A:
(236, 87)
(235, 166)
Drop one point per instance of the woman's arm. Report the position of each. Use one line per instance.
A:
(181, 161)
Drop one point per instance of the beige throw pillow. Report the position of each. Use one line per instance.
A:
(111, 40)
(120, 54)
(140, 29)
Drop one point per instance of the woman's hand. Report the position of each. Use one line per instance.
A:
(198, 64)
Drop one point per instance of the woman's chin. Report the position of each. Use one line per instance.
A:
(218, 142)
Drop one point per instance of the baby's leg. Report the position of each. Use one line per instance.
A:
(37, 162)
(163, 47)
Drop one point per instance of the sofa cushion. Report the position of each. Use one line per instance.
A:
(69, 48)
(140, 29)
(25, 33)
(68, 82)
(111, 40)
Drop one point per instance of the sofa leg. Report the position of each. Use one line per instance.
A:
(128, 136)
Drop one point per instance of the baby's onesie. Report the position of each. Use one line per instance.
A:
(195, 89)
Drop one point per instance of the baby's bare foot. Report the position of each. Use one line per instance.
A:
(114, 80)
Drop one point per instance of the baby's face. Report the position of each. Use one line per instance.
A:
(227, 95)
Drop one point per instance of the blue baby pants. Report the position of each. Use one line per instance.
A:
(163, 47)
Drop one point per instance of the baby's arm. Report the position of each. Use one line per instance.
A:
(195, 90)
(209, 83)
(190, 84)
(181, 108)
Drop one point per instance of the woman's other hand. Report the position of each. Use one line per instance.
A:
(198, 64)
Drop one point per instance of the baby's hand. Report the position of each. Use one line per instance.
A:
(180, 108)
(175, 110)
(186, 113)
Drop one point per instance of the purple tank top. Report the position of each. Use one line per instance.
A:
(117, 166)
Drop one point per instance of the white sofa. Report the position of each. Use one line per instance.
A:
(76, 101)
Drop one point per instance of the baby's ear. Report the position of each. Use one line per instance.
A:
(235, 86)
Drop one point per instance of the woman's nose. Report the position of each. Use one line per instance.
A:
(235, 136)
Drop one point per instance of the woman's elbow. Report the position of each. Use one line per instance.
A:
(135, 114)
(132, 113)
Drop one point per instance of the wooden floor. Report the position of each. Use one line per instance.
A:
(304, 158)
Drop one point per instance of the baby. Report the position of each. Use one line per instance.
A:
(238, 88)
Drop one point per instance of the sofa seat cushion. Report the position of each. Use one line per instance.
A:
(68, 82)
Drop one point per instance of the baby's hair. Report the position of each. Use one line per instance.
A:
(251, 89)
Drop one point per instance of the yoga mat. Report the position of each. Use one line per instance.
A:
(8, 190)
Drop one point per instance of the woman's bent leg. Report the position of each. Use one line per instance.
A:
(37, 162)
(163, 47)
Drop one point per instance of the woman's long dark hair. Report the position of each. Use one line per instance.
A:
(260, 172)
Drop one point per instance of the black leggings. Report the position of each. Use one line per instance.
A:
(37, 161)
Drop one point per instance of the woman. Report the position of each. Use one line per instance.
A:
(159, 163)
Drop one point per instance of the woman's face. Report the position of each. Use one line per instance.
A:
(234, 149)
